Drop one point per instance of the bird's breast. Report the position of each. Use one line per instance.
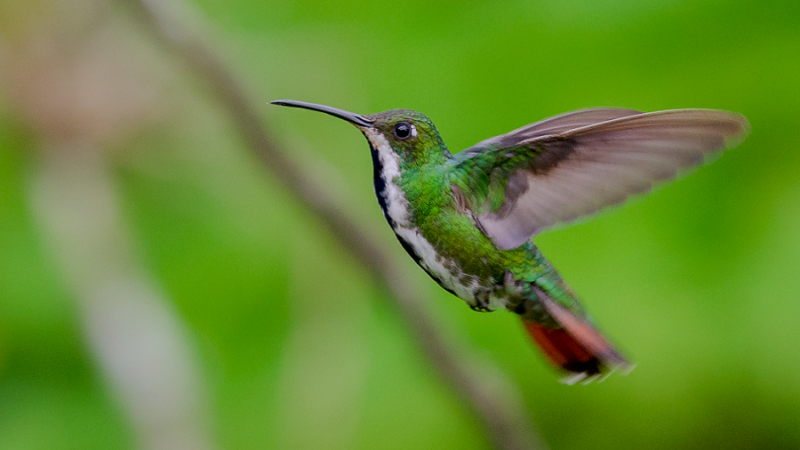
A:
(394, 203)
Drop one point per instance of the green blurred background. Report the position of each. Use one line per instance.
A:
(296, 348)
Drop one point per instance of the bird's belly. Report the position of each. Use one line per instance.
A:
(447, 272)
(443, 270)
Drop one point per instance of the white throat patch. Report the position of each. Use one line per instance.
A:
(396, 204)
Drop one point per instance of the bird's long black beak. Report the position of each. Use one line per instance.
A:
(355, 119)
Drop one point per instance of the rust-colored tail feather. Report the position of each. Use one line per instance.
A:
(563, 350)
(575, 346)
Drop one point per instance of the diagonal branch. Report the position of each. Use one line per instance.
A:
(501, 414)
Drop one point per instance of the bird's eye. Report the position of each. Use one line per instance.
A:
(404, 130)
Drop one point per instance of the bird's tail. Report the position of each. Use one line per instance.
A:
(574, 345)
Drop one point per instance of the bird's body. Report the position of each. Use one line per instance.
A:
(439, 232)
(467, 219)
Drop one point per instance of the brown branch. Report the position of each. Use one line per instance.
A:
(139, 342)
(500, 411)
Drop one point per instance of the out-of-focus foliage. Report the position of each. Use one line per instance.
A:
(699, 283)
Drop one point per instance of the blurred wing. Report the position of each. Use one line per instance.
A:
(533, 184)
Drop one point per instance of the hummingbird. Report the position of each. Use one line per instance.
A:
(468, 218)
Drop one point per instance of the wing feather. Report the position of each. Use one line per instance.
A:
(584, 166)
(553, 125)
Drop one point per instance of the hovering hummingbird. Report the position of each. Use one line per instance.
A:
(468, 218)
